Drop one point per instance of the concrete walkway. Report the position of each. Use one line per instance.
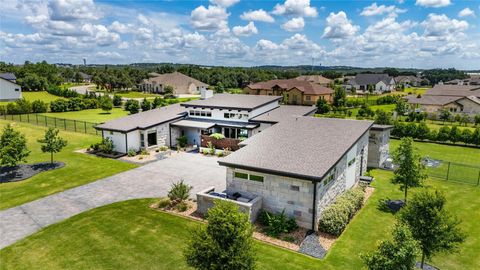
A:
(82, 89)
(151, 180)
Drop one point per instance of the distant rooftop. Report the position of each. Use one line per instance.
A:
(144, 120)
(284, 112)
(454, 90)
(8, 76)
(232, 101)
(367, 79)
(277, 150)
(304, 86)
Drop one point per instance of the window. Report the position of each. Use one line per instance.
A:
(351, 162)
(308, 98)
(192, 112)
(208, 114)
(294, 188)
(16, 89)
(257, 178)
(202, 113)
(241, 175)
(226, 115)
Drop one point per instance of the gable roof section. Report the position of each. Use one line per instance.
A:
(432, 100)
(276, 150)
(284, 112)
(306, 87)
(144, 120)
(367, 79)
(232, 102)
(174, 79)
(9, 81)
(8, 76)
(454, 90)
(319, 79)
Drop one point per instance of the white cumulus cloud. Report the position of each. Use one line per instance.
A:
(433, 3)
(375, 9)
(257, 15)
(209, 19)
(339, 26)
(441, 26)
(295, 8)
(246, 30)
(224, 3)
(294, 25)
(466, 12)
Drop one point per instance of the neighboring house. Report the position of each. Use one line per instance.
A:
(9, 90)
(9, 77)
(85, 77)
(295, 163)
(380, 82)
(408, 81)
(182, 84)
(318, 79)
(234, 116)
(454, 98)
(294, 92)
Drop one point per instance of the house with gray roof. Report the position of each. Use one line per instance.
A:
(283, 158)
(379, 83)
(181, 83)
(463, 99)
(9, 89)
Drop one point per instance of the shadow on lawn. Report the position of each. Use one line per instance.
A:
(390, 206)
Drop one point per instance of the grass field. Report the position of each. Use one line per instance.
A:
(80, 168)
(130, 235)
(93, 115)
(133, 94)
(31, 96)
(416, 90)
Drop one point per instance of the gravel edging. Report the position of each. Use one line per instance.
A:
(311, 246)
(24, 171)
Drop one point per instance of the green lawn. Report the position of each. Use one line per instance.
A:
(80, 168)
(386, 107)
(133, 94)
(93, 115)
(416, 90)
(129, 235)
(31, 96)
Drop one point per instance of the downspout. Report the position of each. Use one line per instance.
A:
(126, 143)
(314, 214)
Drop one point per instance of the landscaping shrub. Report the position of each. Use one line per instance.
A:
(59, 105)
(144, 152)
(179, 192)
(275, 224)
(217, 136)
(117, 100)
(182, 141)
(75, 104)
(67, 93)
(20, 106)
(131, 153)
(335, 217)
(106, 146)
(182, 206)
(39, 106)
(132, 106)
(211, 148)
(163, 148)
(164, 202)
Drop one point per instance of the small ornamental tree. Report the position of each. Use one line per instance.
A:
(431, 225)
(168, 92)
(445, 115)
(52, 143)
(322, 106)
(398, 253)
(401, 107)
(410, 171)
(146, 105)
(117, 100)
(106, 104)
(132, 106)
(225, 242)
(476, 119)
(13, 147)
(382, 117)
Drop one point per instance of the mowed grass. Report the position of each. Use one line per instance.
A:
(32, 96)
(133, 94)
(93, 115)
(416, 90)
(130, 235)
(80, 168)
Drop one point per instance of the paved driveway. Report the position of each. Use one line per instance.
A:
(151, 180)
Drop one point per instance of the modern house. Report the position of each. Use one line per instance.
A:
(293, 91)
(454, 98)
(86, 78)
(182, 84)
(318, 79)
(288, 161)
(9, 89)
(379, 83)
(237, 117)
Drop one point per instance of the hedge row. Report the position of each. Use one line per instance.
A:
(335, 218)
(22, 106)
(73, 104)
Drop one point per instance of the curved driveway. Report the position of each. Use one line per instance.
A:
(151, 180)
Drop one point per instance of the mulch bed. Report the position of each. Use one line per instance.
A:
(25, 171)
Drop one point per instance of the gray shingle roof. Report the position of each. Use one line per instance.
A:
(179, 81)
(8, 76)
(231, 101)
(145, 119)
(304, 147)
(367, 79)
(307, 87)
(284, 112)
(454, 90)
(431, 100)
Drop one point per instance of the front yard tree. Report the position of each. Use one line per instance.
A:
(382, 117)
(431, 225)
(13, 147)
(146, 105)
(52, 143)
(401, 107)
(106, 104)
(398, 253)
(225, 242)
(445, 115)
(339, 97)
(322, 106)
(132, 106)
(410, 171)
(168, 92)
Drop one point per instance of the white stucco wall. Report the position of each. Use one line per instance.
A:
(117, 138)
(9, 90)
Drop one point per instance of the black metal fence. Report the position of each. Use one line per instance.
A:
(455, 172)
(48, 121)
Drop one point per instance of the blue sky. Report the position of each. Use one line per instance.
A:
(417, 33)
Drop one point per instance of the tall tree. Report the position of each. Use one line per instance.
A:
(395, 254)
(410, 171)
(225, 242)
(431, 225)
(106, 103)
(339, 97)
(13, 147)
(52, 143)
